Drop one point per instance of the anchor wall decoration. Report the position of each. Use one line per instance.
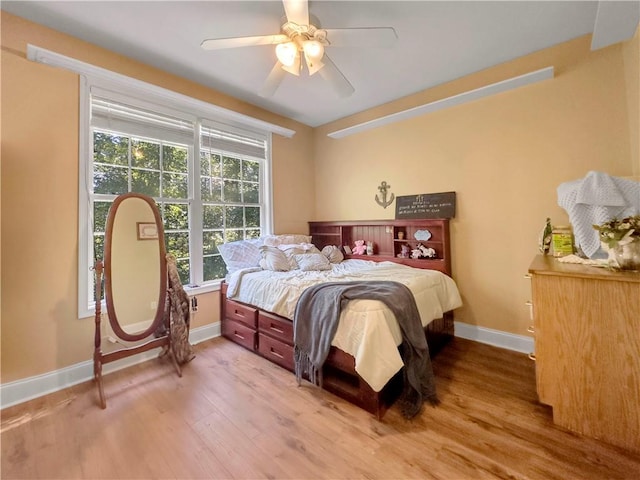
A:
(384, 188)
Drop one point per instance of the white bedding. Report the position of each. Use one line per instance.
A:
(368, 329)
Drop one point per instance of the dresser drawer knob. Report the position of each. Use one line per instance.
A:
(531, 329)
(532, 356)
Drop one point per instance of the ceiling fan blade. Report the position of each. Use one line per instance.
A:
(297, 11)
(334, 76)
(381, 37)
(273, 80)
(235, 42)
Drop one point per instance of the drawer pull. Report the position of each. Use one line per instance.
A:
(532, 356)
(238, 312)
(531, 329)
(275, 354)
(236, 334)
(275, 328)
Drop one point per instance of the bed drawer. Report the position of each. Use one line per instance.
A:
(239, 333)
(278, 352)
(275, 326)
(242, 313)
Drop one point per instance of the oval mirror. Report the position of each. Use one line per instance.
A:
(135, 267)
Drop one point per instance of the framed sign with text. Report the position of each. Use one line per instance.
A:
(426, 205)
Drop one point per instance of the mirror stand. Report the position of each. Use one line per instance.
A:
(137, 281)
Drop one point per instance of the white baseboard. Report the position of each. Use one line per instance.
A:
(20, 391)
(497, 338)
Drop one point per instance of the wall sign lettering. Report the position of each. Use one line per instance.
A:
(426, 205)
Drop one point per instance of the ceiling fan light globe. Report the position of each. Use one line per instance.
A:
(313, 49)
(294, 68)
(313, 66)
(287, 53)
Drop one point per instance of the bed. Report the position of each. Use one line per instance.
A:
(364, 365)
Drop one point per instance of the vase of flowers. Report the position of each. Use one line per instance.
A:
(621, 239)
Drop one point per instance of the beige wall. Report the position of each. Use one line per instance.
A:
(41, 331)
(504, 155)
(631, 57)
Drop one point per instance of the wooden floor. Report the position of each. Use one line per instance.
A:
(235, 415)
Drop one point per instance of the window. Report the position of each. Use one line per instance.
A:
(207, 178)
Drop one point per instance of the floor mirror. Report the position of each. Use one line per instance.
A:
(134, 271)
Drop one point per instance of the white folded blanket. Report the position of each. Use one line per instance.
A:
(596, 199)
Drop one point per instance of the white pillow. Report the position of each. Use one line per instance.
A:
(295, 249)
(241, 254)
(333, 253)
(312, 261)
(274, 259)
(289, 239)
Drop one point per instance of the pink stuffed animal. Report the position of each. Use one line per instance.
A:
(360, 248)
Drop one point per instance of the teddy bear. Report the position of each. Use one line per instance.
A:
(360, 248)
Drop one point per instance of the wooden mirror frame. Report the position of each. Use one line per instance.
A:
(156, 336)
(108, 277)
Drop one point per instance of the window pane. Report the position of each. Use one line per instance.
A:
(183, 270)
(176, 216)
(212, 217)
(211, 240)
(98, 247)
(250, 171)
(234, 217)
(251, 193)
(175, 185)
(145, 154)
(174, 159)
(214, 267)
(233, 235)
(146, 182)
(216, 165)
(100, 212)
(232, 191)
(110, 180)
(252, 216)
(177, 244)
(211, 189)
(205, 166)
(112, 149)
(231, 168)
(252, 233)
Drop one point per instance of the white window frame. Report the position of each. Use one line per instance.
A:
(90, 77)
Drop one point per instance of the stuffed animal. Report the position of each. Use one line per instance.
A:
(426, 252)
(360, 248)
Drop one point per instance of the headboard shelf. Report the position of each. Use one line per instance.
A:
(388, 237)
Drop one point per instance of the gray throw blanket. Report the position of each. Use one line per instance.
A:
(316, 321)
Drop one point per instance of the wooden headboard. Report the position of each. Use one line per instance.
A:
(387, 242)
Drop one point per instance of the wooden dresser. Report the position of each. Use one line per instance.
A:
(587, 348)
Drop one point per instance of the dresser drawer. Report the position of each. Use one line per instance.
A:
(239, 333)
(276, 351)
(275, 326)
(242, 313)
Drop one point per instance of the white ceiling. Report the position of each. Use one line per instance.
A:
(437, 42)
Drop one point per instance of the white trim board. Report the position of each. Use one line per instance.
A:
(496, 338)
(13, 393)
(487, 90)
(47, 57)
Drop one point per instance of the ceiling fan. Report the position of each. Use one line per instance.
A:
(299, 38)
